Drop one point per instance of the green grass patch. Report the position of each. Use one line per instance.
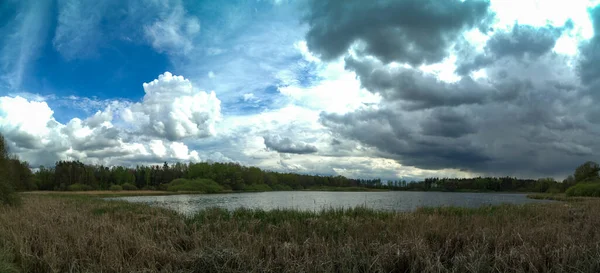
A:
(555, 197)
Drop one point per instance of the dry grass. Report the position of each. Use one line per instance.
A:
(79, 234)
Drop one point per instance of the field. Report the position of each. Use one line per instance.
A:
(78, 233)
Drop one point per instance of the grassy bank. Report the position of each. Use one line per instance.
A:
(557, 197)
(83, 234)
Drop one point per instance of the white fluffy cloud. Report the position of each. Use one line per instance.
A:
(172, 108)
(143, 132)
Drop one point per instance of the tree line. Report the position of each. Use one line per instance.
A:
(230, 176)
(484, 184)
(14, 175)
(236, 177)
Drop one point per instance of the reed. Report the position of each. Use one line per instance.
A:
(84, 234)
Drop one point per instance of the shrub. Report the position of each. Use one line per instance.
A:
(257, 187)
(7, 193)
(553, 190)
(115, 188)
(281, 187)
(79, 187)
(197, 185)
(584, 189)
(150, 188)
(129, 187)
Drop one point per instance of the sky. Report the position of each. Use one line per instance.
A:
(403, 89)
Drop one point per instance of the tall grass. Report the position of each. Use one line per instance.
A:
(58, 234)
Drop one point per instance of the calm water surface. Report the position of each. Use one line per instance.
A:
(314, 200)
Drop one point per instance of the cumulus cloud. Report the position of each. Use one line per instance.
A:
(286, 145)
(122, 133)
(172, 108)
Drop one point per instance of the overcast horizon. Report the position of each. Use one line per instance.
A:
(402, 89)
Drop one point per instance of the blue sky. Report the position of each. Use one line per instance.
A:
(304, 86)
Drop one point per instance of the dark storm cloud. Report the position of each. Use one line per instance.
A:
(389, 131)
(286, 145)
(418, 90)
(528, 117)
(523, 41)
(447, 123)
(411, 31)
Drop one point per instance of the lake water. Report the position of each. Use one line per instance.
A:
(315, 200)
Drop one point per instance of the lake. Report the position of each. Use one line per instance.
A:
(316, 200)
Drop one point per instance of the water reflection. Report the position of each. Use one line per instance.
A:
(398, 201)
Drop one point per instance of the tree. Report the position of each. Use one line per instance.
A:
(7, 190)
(588, 171)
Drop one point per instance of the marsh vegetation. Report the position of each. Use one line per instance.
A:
(82, 234)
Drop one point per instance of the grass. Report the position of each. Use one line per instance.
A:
(79, 233)
(556, 197)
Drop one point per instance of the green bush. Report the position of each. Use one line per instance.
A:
(591, 189)
(79, 187)
(257, 187)
(196, 185)
(150, 188)
(163, 187)
(8, 196)
(129, 187)
(281, 187)
(115, 188)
